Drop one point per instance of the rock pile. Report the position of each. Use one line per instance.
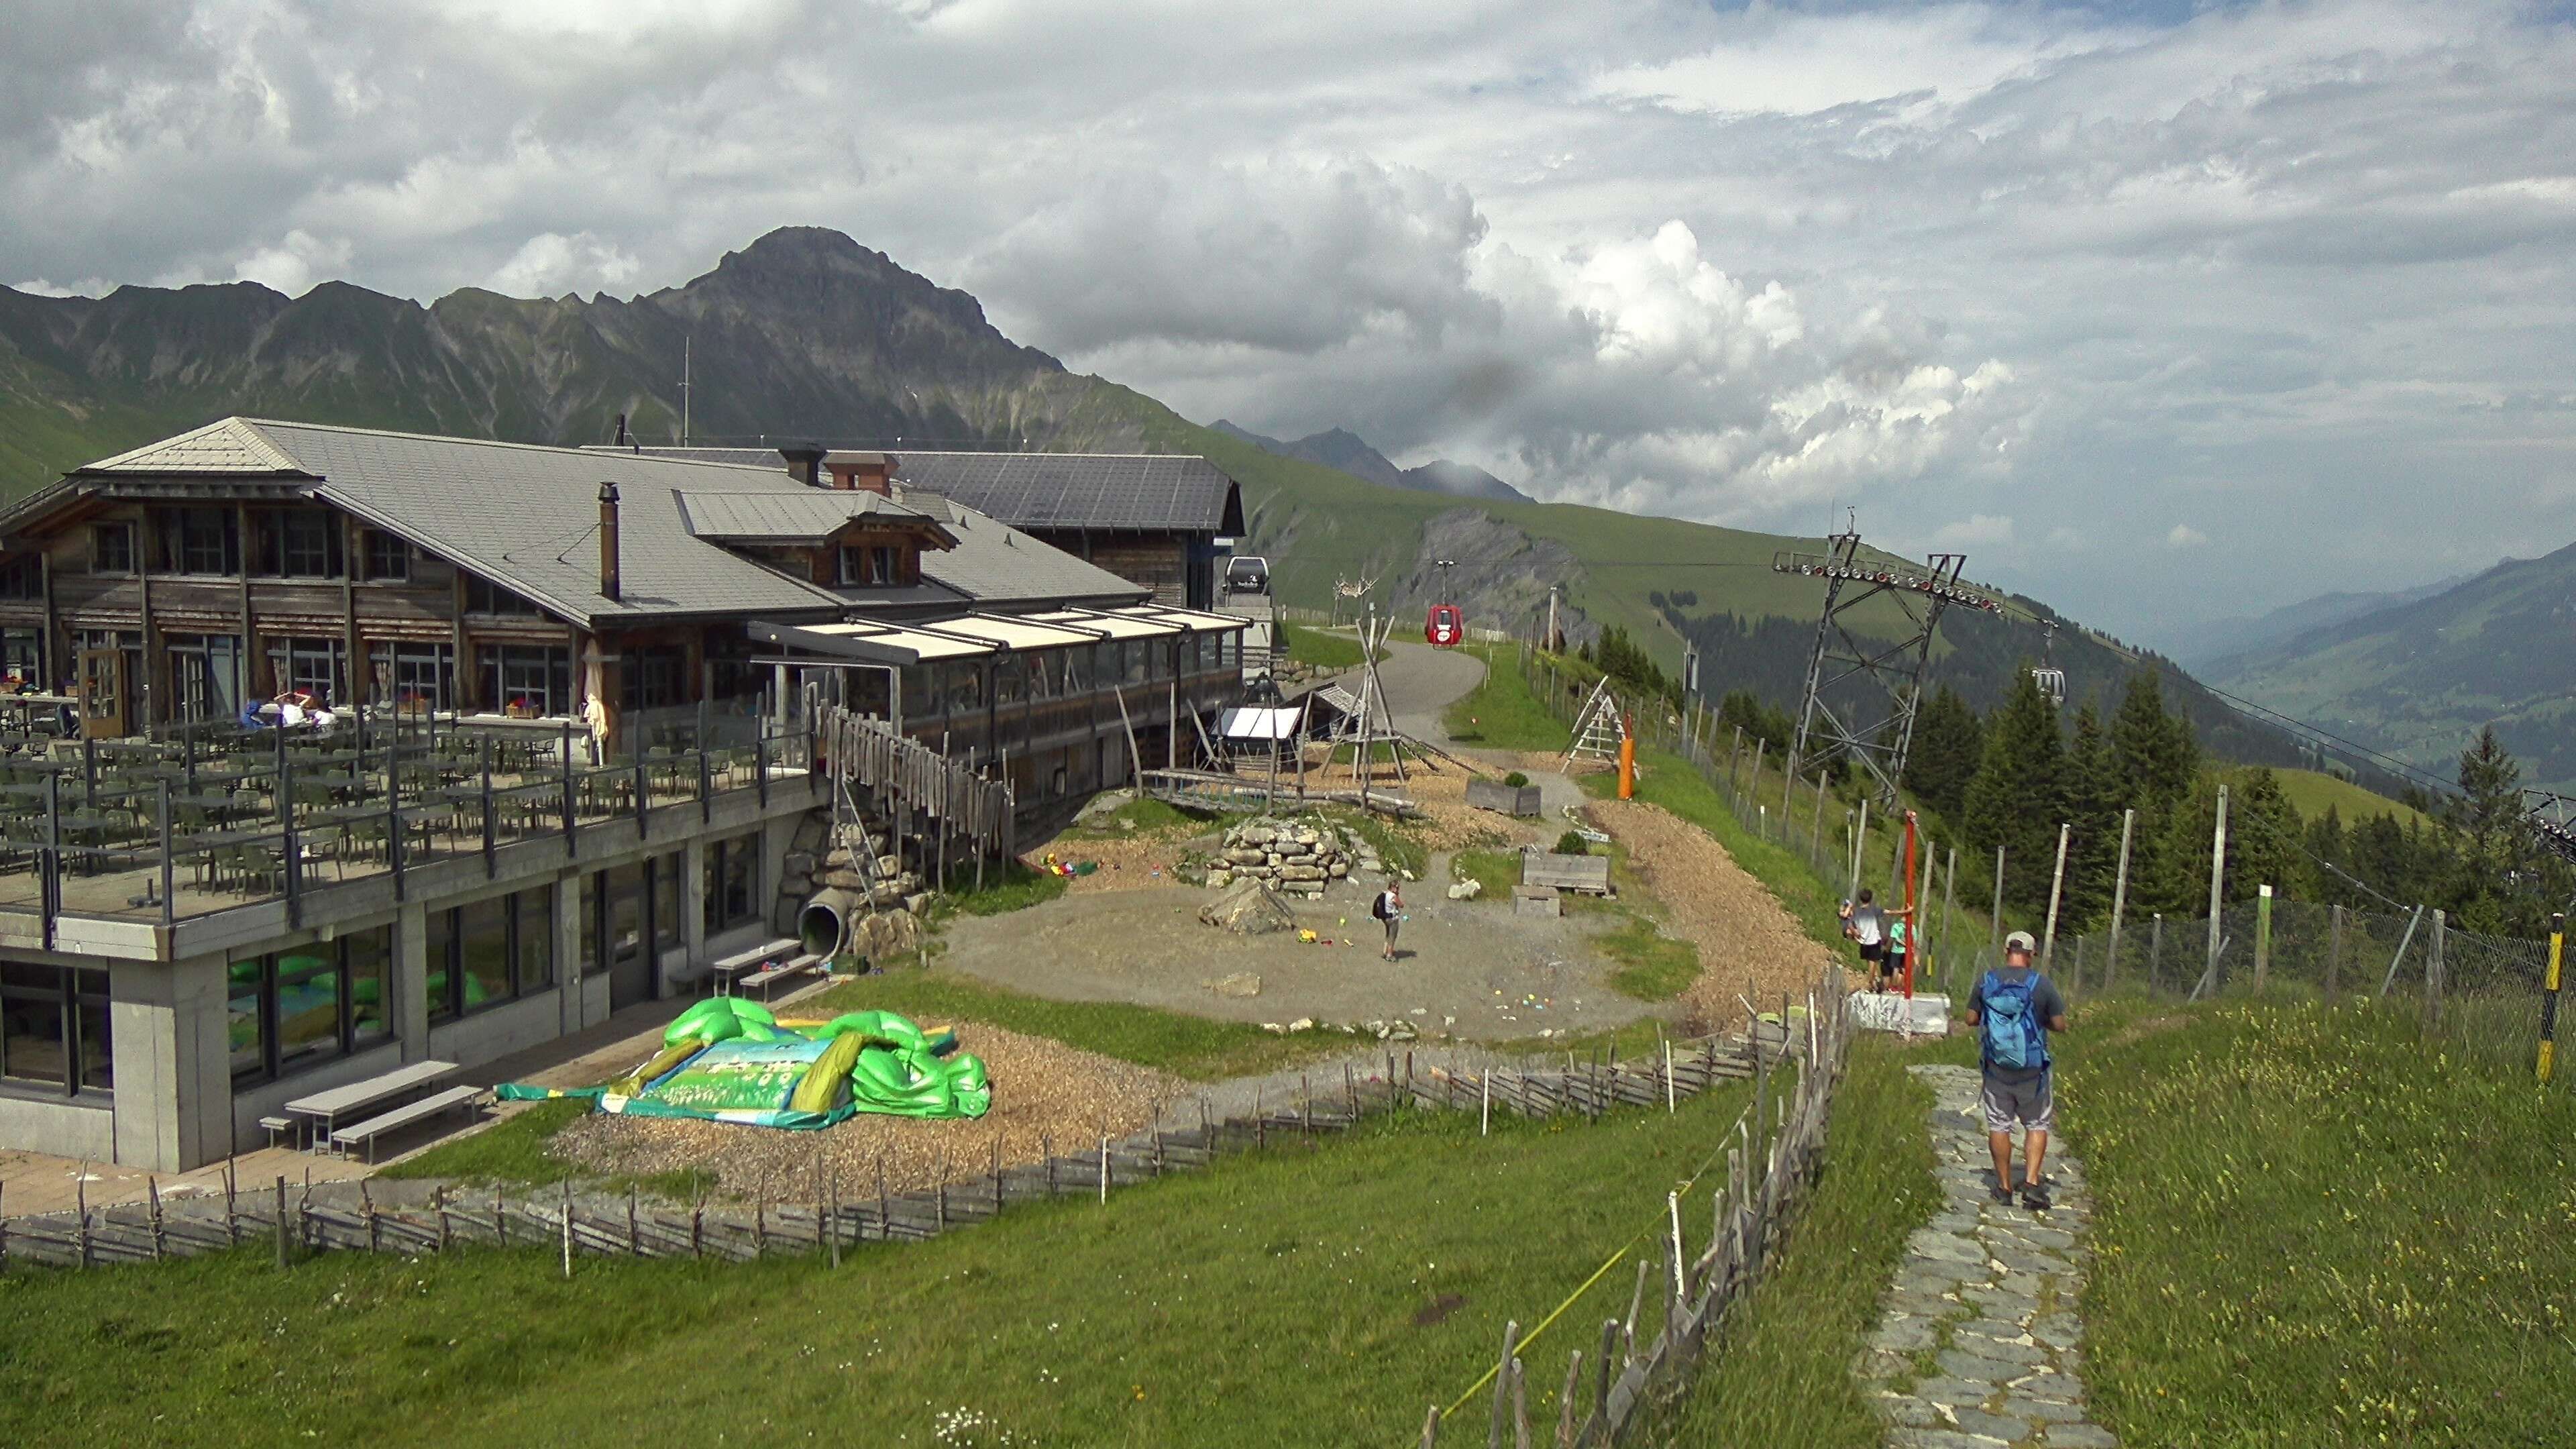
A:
(1248, 908)
(841, 869)
(1296, 857)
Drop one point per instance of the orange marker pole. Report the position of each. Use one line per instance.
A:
(1627, 763)
(1913, 936)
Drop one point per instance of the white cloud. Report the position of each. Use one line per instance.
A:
(1943, 262)
(552, 264)
(296, 262)
(2185, 536)
(1979, 530)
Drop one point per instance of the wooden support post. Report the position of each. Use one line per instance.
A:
(567, 1230)
(2119, 902)
(2056, 888)
(2217, 884)
(2262, 936)
(2435, 965)
(281, 1220)
(1565, 1423)
(2334, 952)
(1503, 1384)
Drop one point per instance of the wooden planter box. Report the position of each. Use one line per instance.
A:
(1537, 901)
(1587, 873)
(1507, 799)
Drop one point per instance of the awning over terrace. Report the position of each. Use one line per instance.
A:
(970, 635)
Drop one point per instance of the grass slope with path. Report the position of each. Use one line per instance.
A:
(1297, 1297)
(1781, 1375)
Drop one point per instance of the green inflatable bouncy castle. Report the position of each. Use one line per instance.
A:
(730, 1060)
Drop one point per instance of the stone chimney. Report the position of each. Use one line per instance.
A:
(861, 472)
(608, 580)
(804, 462)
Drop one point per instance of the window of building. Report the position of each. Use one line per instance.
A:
(490, 951)
(1229, 649)
(315, 666)
(205, 670)
(205, 541)
(111, 548)
(1077, 669)
(416, 677)
(534, 677)
(1010, 679)
(308, 544)
(921, 698)
(306, 1005)
(1138, 656)
(22, 655)
(965, 679)
(652, 676)
(482, 596)
(666, 900)
(732, 883)
(388, 555)
(53, 1027)
(870, 566)
(22, 577)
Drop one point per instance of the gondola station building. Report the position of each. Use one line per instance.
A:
(331, 751)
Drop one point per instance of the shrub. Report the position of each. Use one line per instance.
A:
(1572, 843)
(1515, 779)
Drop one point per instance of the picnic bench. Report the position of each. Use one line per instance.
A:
(328, 1107)
(769, 976)
(402, 1116)
(724, 975)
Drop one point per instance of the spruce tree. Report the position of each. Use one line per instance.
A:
(2017, 797)
(2094, 800)
(1948, 743)
(2491, 874)
(2152, 752)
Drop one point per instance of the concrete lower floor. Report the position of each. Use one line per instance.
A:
(196, 1051)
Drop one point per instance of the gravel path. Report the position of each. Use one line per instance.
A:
(1988, 1293)
(1748, 945)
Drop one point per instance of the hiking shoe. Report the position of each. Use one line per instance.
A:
(2001, 1194)
(2034, 1196)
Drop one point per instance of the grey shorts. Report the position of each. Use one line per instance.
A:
(2032, 1104)
(1391, 923)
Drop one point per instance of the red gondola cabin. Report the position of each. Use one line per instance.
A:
(1445, 626)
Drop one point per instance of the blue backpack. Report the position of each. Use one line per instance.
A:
(2011, 1034)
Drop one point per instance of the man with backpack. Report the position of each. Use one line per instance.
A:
(1389, 908)
(2014, 1008)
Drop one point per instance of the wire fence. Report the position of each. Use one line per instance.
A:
(2485, 996)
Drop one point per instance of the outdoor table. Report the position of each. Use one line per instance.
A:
(355, 1098)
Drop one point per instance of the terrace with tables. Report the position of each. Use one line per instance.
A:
(219, 817)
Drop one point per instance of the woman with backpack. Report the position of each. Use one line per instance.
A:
(1389, 908)
(2014, 1008)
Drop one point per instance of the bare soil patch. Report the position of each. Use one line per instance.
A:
(1748, 945)
(1042, 1090)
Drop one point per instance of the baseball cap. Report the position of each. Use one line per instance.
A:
(2020, 941)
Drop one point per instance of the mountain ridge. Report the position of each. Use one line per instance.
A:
(1343, 449)
(804, 334)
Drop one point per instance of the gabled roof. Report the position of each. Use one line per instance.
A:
(227, 445)
(528, 517)
(806, 515)
(1153, 492)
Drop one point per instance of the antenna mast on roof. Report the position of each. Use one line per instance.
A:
(684, 390)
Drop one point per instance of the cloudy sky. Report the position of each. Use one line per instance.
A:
(2163, 312)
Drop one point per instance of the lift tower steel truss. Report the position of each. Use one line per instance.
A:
(1877, 740)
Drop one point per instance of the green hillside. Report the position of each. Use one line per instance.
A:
(2312, 793)
(2419, 679)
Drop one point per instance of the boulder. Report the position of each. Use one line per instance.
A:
(1339, 869)
(889, 865)
(1241, 983)
(1466, 890)
(1294, 847)
(1220, 879)
(1294, 871)
(1248, 909)
(798, 862)
(1245, 855)
(1255, 833)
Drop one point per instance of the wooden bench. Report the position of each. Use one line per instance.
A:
(275, 1127)
(723, 977)
(769, 976)
(403, 1116)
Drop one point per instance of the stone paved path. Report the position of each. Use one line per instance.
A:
(1979, 1342)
